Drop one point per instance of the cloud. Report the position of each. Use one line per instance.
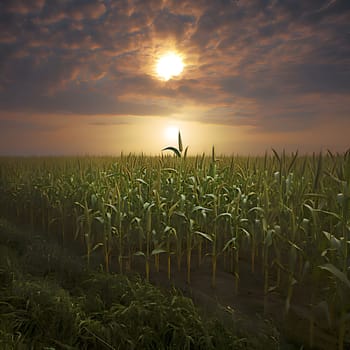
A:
(76, 101)
(169, 25)
(25, 125)
(86, 9)
(271, 65)
(110, 122)
(22, 7)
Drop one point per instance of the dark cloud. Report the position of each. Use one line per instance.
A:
(319, 78)
(24, 125)
(246, 60)
(22, 7)
(169, 25)
(76, 101)
(86, 9)
(295, 79)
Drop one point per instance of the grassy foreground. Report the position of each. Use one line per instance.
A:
(50, 300)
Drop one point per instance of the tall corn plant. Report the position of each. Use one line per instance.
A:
(179, 152)
(84, 225)
(149, 252)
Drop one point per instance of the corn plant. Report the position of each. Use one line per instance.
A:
(288, 215)
(179, 152)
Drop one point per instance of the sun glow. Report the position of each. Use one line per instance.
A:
(171, 133)
(169, 65)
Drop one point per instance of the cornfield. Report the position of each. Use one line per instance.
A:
(289, 215)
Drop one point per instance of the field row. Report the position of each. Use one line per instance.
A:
(288, 215)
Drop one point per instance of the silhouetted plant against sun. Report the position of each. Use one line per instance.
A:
(178, 151)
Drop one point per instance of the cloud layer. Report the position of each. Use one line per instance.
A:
(278, 65)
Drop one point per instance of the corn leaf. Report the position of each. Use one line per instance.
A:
(142, 182)
(139, 253)
(180, 142)
(336, 272)
(158, 251)
(173, 149)
(205, 235)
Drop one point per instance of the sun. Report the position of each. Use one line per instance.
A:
(170, 65)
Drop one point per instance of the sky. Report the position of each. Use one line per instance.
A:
(79, 76)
